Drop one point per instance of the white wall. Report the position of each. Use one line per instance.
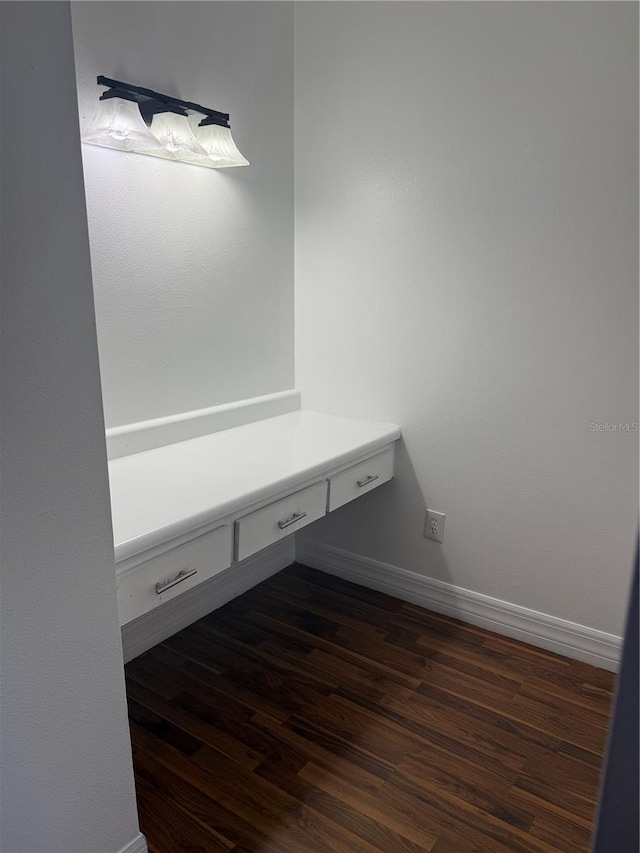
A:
(66, 784)
(192, 267)
(466, 267)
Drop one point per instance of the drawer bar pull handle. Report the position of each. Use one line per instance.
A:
(182, 575)
(367, 480)
(289, 521)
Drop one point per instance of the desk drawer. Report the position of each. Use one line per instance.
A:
(144, 587)
(277, 520)
(360, 478)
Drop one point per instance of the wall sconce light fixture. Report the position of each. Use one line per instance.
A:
(131, 118)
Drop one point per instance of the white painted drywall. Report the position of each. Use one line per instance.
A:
(467, 267)
(66, 783)
(192, 267)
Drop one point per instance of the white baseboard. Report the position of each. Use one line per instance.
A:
(538, 629)
(146, 435)
(154, 627)
(138, 845)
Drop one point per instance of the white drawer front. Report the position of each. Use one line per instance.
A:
(360, 478)
(277, 520)
(162, 578)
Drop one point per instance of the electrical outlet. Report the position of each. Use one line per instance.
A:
(434, 525)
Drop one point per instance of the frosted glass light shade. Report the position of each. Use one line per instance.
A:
(173, 139)
(221, 150)
(118, 124)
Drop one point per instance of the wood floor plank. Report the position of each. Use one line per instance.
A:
(371, 734)
(561, 703)
(524, 717)
(311, 715)
(459, 736)
(345, 636)
(565, 772)
(485, 789)
(352, 653)
(498, 729)
(454, 842)
(562, 833)
(234, 651)
(566, 725)
(494, 693)
(600, 694)
(206, 810)
(344, 640)
(552, 793)
(498, 655)
(327, 581)
(253, 801)
(455, 812)
(200, 721)
(332, 821)
(207, 682)
(330, 671)
(330, 604)
(546, 811)
(345, 761)
(169, 827)
(332, 741)
(148, 720)
(591, 706)
(400, 831)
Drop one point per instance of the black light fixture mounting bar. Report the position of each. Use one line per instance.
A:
(151, 102)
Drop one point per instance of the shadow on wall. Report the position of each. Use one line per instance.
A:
(398, 505)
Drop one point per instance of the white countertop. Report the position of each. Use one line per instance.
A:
(160, 494)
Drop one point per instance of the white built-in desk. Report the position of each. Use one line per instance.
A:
(187, 511)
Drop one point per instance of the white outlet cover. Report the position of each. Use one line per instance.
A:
(434, 525)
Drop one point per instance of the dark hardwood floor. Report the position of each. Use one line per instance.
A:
(311, 714)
